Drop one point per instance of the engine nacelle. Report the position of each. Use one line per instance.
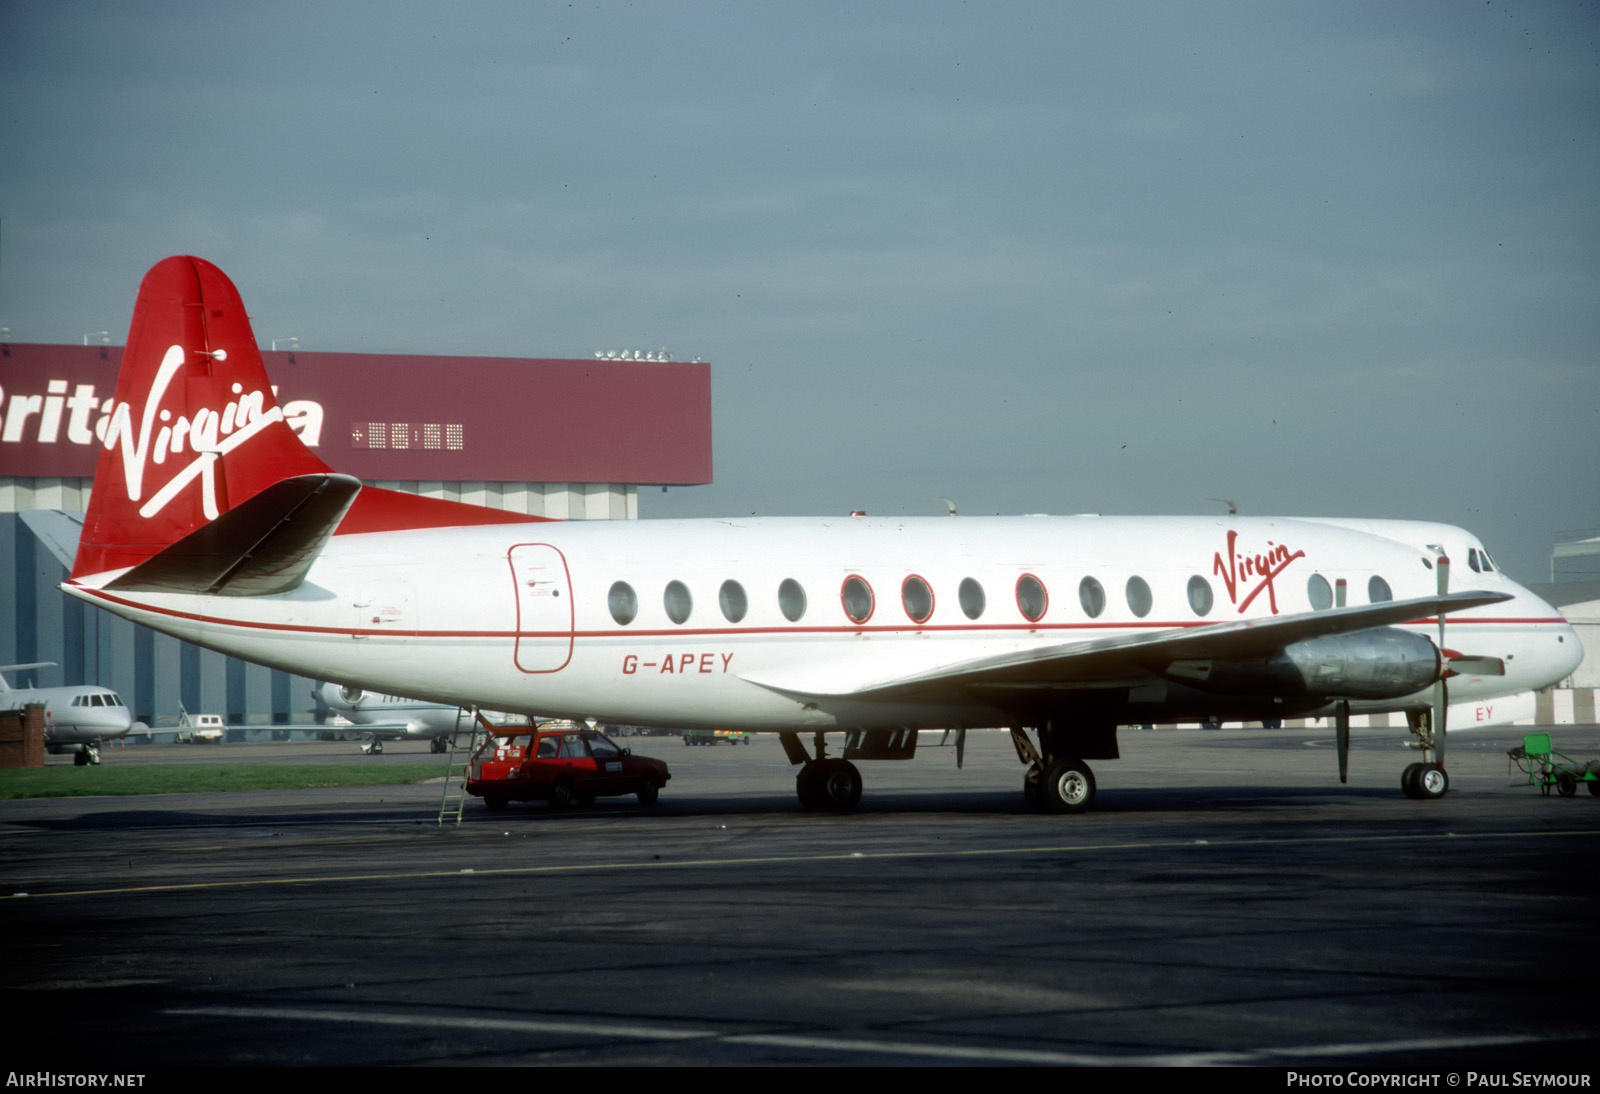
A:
(351, 695)
(1381, 663)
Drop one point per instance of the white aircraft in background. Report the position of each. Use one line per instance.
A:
(209, 520)
(396, 718)
(76, 719)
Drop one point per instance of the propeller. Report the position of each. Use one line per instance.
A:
(1441, 690)
(1341, 710)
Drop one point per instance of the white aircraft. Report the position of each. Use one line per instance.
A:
(394, 717)
(76, 719)
(210, 521)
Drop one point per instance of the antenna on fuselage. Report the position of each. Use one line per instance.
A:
(948, 504)
(1233, 506)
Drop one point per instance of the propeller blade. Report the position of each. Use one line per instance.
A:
(961, 746)
(1441, 715)
(1341, 733)
(1441, 691)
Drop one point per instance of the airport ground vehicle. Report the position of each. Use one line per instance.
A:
(196, 729)
(564, 766)
(715, 736)
(1545, 767)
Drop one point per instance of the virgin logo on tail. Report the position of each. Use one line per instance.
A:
(161, 436)
(1239, 568)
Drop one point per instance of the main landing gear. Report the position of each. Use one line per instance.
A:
(1056, 782)
(832, 786)
(823, 785)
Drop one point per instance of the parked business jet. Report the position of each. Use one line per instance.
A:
(76, 719)
(395, 717)
(210, 521)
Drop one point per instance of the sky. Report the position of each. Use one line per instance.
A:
(1335, 259)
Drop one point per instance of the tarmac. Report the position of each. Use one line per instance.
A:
(1227, 902)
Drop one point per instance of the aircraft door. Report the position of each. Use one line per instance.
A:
(543, 592)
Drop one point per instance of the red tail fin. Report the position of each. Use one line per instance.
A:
(195, 429)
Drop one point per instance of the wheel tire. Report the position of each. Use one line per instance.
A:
(1067, 786)
(839, 786)
(1030, 792)
(806, 787)
(1567, 784)
(561, 795)
(377, 748)
(1432, 782)
(1408, 780)
(80, 758)
(648, 792)
(494, 803)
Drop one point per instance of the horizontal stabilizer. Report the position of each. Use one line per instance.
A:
(1107, 661)
(264, 545)
(57, 530)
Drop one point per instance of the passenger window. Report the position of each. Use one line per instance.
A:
(572, 748)
(1092, 595)
(1378, 590)
(857, 597)
(971, 596)
(622, 601)
(677, 601)
(1139, 598)
(791, 600)
(1032, 600)
(1200, 598)
(917, 598)
(731, 599)
(547, 748)
(1319, 592)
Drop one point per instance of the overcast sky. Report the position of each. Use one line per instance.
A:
(1327, 259)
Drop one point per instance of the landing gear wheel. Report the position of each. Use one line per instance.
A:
(377, 748)
(1432, 782)
(1067, 786)
(832, 785)
(437, 746)
(1566, 784)
(1408, 780)
(648, 792)
(561, 795)
(80, 758)
(1030, 791)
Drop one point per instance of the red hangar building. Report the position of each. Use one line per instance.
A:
(567, 438)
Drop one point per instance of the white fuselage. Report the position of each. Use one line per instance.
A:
(75, 715)
(520, 617)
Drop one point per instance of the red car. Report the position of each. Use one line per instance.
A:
(562, 767)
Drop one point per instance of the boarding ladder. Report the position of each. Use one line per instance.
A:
(454, 800)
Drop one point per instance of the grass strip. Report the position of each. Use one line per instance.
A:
(72, 782)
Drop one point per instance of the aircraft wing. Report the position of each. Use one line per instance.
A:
(1121, 659)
